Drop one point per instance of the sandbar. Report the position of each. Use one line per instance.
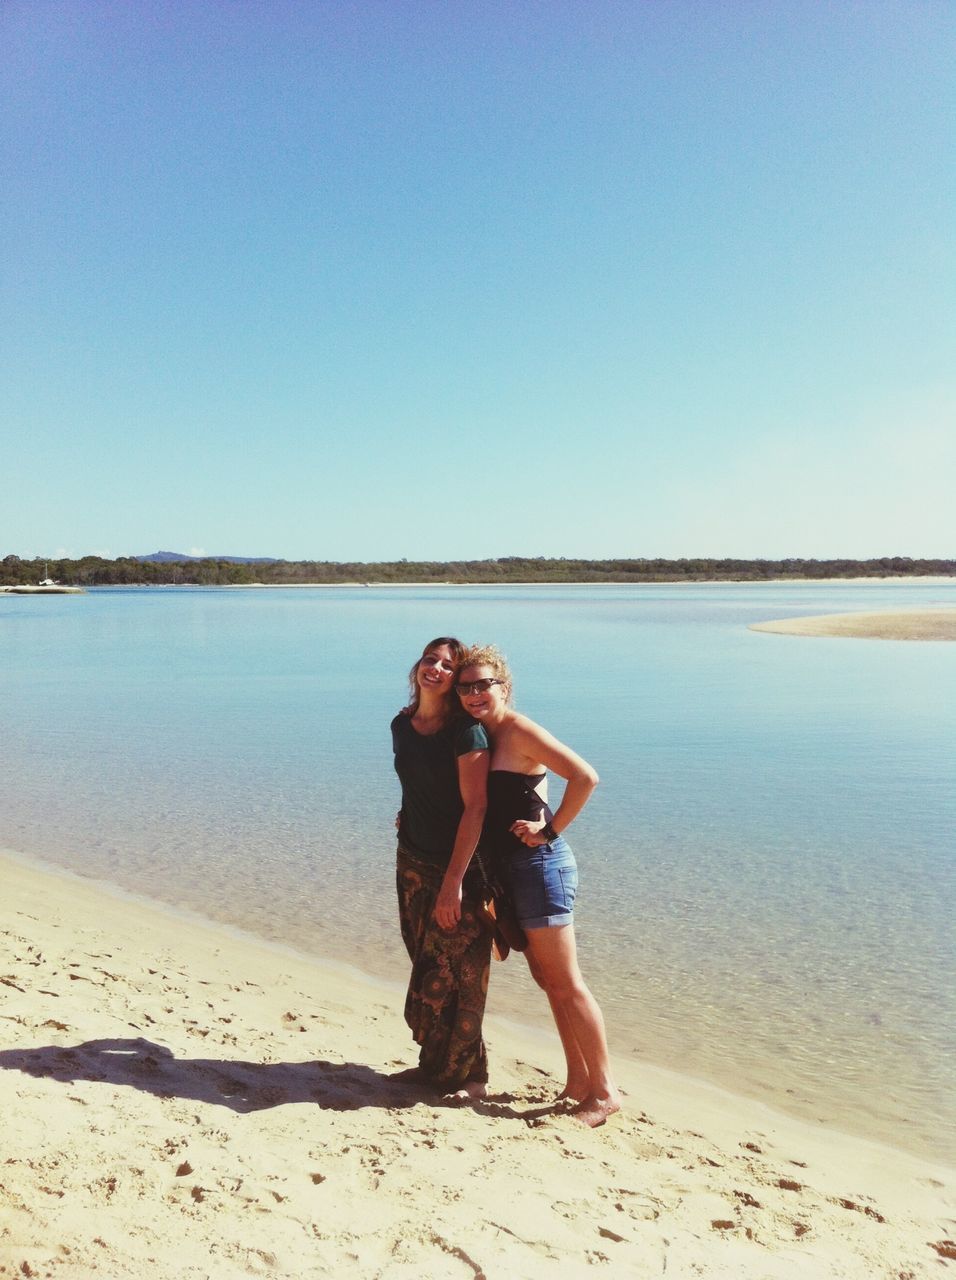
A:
(898, 624)
(179, 1100)
(42, 591)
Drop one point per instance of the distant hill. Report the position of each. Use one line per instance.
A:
(175, 557)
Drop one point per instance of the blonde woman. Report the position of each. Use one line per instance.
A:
(525, 838)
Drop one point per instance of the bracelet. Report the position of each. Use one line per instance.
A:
(549, 832)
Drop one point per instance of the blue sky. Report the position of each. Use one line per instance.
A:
(453, 280)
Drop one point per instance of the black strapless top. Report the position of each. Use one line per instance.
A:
(511, 796)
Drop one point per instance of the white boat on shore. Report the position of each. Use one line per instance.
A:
(47, 586)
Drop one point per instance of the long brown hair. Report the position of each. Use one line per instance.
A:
(457, 653)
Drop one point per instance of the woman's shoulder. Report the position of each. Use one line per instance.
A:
(525, 737)
(523, 726)
(401, 725)
(469, 734)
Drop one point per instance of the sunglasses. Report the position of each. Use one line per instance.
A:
(476, 686)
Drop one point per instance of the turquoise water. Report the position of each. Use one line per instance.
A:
(767, 868)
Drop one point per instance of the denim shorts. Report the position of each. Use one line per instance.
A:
(543, 884)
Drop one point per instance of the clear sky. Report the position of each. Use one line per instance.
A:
(449, 279)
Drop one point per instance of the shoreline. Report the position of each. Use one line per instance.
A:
(756, 1082)
(934, 580)
(42, 591)
(138, 1041)
(540, 1035)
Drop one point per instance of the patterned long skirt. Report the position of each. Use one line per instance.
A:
(446, 996)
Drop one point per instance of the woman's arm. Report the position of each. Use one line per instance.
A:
(473, 781)
(581, 778)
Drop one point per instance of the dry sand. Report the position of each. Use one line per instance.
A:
(180, 1101)
(900, 624)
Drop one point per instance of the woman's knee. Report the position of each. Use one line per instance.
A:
(537, 972)
(571, 993)
(560, 984)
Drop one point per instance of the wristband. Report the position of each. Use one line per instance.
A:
(549, 832)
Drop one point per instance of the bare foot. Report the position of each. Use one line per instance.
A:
(574, 1091)
(594, 1110)
(471, 1091)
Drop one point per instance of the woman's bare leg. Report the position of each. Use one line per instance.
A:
(552, 958)
(577, 1081)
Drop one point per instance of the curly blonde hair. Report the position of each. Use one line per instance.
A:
(489, 655)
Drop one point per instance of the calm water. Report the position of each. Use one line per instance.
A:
(767, 867)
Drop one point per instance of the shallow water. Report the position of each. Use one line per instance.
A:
(766, 869)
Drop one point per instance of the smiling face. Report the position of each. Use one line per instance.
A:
(484, 704)
(436, 670)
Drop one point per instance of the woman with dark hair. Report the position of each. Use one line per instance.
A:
(441, 758)
(525, 839)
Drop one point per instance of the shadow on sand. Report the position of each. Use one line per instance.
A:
(240, 1086)
(249, 1086)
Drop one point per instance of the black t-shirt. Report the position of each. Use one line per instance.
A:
(427, 767)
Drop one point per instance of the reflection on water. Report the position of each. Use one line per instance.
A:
(766, 867)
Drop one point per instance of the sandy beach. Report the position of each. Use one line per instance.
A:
(179, 1100)
(901, 624)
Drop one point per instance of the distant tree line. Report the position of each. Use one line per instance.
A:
(94, 571)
